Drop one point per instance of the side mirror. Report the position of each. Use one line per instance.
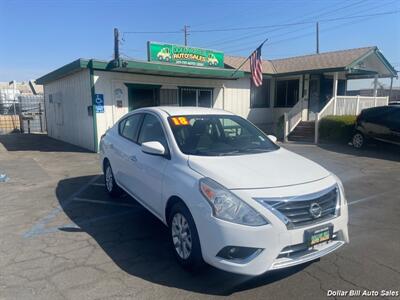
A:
(153, 148)
(272, 138)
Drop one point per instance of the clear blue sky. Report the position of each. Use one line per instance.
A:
(39, 36)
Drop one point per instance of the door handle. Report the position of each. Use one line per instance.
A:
(133, 158)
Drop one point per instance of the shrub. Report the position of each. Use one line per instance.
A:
(337, 128)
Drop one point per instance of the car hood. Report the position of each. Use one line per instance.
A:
(264, 170)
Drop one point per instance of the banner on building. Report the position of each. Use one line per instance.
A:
(183, 55)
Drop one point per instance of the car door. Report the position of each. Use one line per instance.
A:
(374, 123)
(125, 150)
(151, 168)
(393, 123)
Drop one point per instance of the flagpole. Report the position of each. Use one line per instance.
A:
(241, 65)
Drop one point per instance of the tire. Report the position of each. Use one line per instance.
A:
(184, 238)
(358, 140)
(112, 187)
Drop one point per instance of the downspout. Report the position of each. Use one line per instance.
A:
(92, 91)
(223, 96)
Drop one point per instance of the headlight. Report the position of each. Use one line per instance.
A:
(341, 188)
(227, 206)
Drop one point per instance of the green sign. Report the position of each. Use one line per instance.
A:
(183, 55)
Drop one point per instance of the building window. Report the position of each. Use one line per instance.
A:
(196, 97)
(260, 96)
(287, 92)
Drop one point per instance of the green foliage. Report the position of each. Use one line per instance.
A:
(337, 128)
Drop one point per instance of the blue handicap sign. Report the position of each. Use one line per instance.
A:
(99, 102)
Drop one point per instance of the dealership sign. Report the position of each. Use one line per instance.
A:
(183, 55)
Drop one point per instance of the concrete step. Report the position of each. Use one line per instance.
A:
(304, 132)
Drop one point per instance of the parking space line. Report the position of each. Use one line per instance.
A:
(97, 184)
(371, 197)
(40, 226)
(103, 202)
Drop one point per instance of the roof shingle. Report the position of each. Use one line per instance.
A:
(327, 60)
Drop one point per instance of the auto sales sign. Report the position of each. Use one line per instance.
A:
(183, 55)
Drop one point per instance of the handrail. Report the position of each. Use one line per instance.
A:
(326, 105)
(292, 118)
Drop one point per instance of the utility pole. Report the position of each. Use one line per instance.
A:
(186, 33)
(116, 44)
(317, 31)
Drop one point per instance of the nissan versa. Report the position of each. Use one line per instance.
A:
(230, 196)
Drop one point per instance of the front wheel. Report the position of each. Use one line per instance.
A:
(358, 140)
(109, 181)
(184, 237)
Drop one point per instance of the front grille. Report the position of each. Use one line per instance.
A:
(304, 210)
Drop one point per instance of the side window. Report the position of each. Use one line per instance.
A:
(393, 117)
(129, 127)
(152, 131)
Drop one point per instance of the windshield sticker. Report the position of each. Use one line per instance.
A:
(179, 121)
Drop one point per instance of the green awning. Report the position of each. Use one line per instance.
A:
(141, 67)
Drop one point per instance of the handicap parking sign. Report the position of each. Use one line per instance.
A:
(99, 102)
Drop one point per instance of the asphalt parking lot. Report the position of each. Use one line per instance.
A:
(61, 237)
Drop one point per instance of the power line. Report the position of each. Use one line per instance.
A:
(294, 23)
(301, 36)
(283, 34)
(152, 32)
(240, 38)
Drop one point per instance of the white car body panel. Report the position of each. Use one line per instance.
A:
(153, 180)
(256, 171)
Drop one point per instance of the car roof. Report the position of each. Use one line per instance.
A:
(185, 110)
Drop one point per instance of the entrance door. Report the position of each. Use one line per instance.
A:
(196, 97)
(142, 96)
(313, 103)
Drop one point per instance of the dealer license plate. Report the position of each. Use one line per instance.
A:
(318, 235)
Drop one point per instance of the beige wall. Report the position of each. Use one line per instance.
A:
(67, 117)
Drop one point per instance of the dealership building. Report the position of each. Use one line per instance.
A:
(87, 96)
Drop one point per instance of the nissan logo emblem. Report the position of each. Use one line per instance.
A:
(315, 210)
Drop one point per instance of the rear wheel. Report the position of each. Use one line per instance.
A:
(184, 237)
(109, 181)
(358, 140)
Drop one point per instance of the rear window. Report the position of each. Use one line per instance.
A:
(218, 135)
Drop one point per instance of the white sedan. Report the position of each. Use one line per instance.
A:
(230, 196)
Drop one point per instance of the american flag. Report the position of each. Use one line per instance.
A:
(256, 67)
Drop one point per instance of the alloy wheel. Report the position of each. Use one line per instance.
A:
(181, 236)
(358, 140)
(109, 179)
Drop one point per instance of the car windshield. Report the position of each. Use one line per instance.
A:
(218, 135)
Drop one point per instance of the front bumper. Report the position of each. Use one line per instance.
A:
(274, 238)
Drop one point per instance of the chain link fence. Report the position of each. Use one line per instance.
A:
(25, 114)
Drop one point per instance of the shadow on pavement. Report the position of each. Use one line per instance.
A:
(36, 142)
(138, 242)
(373, 150)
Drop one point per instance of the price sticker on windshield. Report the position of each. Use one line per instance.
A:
(180, 121)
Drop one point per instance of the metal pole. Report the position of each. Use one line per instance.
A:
(14, 92)
(40, 117)
(116, 44)
(317, 31)
(185, 33)
(391, 87)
